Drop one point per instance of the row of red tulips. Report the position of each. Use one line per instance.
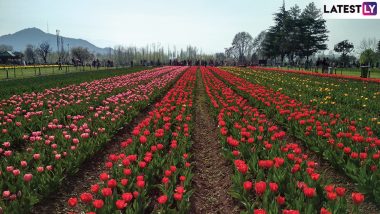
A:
(60, 146)
(272, 175)
(354, 100)
(319, 74)
(151, 173)
(347, 147)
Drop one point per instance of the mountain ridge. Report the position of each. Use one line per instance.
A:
(35, 36)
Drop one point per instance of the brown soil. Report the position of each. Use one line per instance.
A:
(88, 173)
(212, 171)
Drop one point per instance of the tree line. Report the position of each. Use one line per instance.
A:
(296, 38)
(151, 54)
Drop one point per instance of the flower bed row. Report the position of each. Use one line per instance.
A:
(22, 114)
(271, 175)
(354, 100)
(319, 74)
(151, 173)
(61, 146)
(341, 142)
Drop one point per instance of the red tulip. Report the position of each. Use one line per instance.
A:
(309, 192)
(106, 192)
(120, 204)
(24, 164)
(331, 196)
(324, 211)
(266, 164)
(247, 185)
(72, 202)
(16, 172)
(127, 172)
(142, 164)
(36, 156)
(104, 176)
(280, 200)
(95, 188)
(98, 204)
(162, 199)
(259, 211)
(127, 197)
(340, 191)
(315, 176)
(357, 198)
(329, 188)
(135, 194)
(241, 166)
(124, 182)
(260, 187)
(6, 194)
(140, 184)
(112, 183)
(86, 197)
(28, 177)
(143, 139)
(177, 196)
(273, 187)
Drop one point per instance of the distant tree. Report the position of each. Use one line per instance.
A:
(119, 54)
(5, 48)
(294, 33)
(220, 58)
(258, 44)
(43, 50)
(378, 54)
(232, 53)
(270, 44)
(242, 43)
(368, 57)
(277, 40)
(369, 43)
(30, 54)
(344, 47)
(313, 31)
(80, 53)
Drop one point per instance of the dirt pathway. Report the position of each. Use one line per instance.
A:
(212, 171)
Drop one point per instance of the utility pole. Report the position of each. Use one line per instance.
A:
(57, 33)
(68, 52)
(62, 55)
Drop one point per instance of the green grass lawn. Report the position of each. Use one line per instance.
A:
(40, 83)
(26, 72)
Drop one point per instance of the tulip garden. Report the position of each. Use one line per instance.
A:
(47, 135)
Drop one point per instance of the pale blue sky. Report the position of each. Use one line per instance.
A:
(208, 24)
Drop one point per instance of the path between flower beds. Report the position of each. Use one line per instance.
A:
(212, 171)
(89, 171)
